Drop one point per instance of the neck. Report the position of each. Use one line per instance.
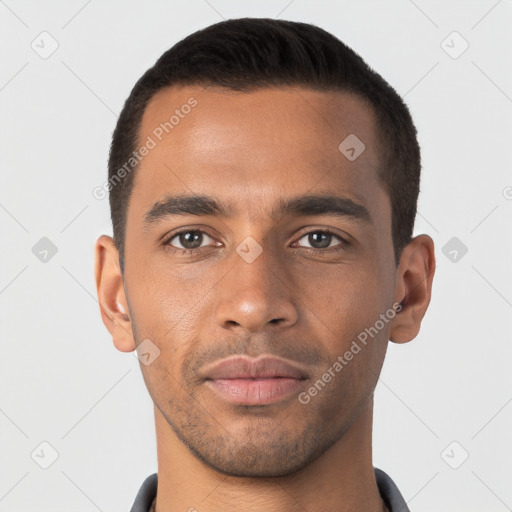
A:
(341, 479)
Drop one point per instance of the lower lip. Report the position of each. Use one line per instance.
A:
(256, 391)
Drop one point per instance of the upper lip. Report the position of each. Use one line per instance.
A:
(242, 367)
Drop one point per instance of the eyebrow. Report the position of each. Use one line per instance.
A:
(199, 205)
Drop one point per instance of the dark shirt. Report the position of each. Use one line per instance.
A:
(387, 488)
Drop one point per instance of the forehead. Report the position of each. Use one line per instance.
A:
(253, 148)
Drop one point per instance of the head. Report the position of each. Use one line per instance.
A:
(296, 170)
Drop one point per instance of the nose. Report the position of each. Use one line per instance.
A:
(255, 294)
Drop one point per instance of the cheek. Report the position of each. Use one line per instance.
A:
(345, 297)
(167, 298)
(165, 317)
(346, 309)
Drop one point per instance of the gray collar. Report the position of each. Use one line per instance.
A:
(387, 488)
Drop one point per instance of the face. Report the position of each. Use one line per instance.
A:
(250, 277)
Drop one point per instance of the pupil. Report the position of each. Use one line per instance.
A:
(324, 243)
(185, 239)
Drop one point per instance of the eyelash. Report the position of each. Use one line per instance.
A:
(191, 252)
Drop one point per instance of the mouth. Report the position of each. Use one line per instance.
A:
(256, 391)
(245, 381)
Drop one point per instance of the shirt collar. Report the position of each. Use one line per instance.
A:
(387, 488)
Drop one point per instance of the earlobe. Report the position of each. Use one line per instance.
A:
(111, 294)
(413, 288)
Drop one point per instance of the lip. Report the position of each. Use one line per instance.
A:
(263, 367)
(246, 381)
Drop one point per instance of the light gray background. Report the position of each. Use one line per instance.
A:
(61, 379)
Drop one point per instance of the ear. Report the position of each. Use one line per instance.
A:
(413, 288)
(111, 294)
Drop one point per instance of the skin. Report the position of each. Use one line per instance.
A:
(252, 149)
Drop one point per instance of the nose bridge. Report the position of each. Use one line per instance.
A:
(253, 265)
(255, 290)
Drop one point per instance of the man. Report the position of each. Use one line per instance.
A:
(263, 184)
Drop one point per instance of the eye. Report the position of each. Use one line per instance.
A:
(322, 239)
(191, 241)
(188, 240)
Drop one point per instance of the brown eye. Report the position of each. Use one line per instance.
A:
(322, 239)
(188, 240)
